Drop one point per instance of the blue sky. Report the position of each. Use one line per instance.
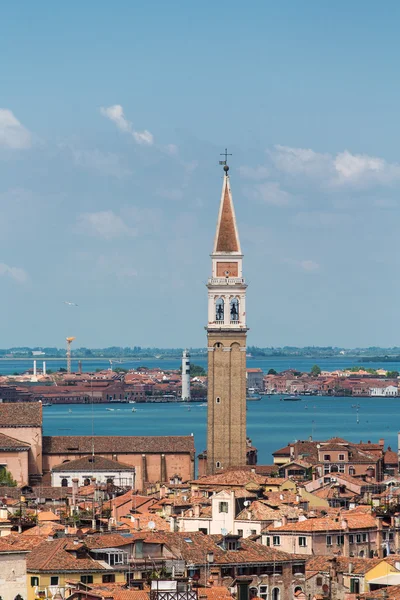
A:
(112, 118)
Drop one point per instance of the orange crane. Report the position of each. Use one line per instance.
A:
(69, 341)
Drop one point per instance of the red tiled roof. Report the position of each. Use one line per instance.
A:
(20, 414)
(92, 463)
(9, 443)
(118, 444)
(53, 557)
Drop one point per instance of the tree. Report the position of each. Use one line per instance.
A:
(6, 478)
(392, 374)
(195, 370)
(272, 372)
(315, 371)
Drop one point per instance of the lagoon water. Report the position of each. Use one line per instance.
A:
(271, 423)
(279, 363)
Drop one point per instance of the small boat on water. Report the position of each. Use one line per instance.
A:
(110, 409)
(134, 409)
(292, 398)
(132, 401)
(47, 404)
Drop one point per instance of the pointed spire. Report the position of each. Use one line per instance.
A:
(226, 237)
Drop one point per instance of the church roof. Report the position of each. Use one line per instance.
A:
(88, 464)
(226, 237)
(20, 414)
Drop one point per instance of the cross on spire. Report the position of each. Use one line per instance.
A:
(226, 154)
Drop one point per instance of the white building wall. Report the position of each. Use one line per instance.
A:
(120, 478)
(13, 579)
(222, 520)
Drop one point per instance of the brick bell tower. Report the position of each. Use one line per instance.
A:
(226, 334)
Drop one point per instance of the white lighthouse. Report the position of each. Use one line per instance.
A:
(185, 376)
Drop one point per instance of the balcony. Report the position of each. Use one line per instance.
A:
(226, 281)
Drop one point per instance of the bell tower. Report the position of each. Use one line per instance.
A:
(226, 334)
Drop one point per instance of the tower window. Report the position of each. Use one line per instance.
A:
(234, 309)
(218, 400)
(218, 464)
(219, 310)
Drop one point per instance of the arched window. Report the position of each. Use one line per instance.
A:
(86, 481)
(298, 589)
(110, 480)
(352, 470)
(334, 469)
(276, 594)
(234, 309)
(218, 464)
(219, 310)
(64, 482)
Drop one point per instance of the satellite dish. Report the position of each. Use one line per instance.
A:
(151, 525)
(224, 532)
(247, 502)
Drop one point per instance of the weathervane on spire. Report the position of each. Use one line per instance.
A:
(225, 162)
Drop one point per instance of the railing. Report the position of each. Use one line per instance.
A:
(225, 280)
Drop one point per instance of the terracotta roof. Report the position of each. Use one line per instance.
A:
(238, 477)
(9, 443)
(260, 511)
(47, 515)
(322, 564)
(193, 547)
(15, 542)
(117, 444)
(392, 592)
(355, 521)
(107, 540)
(390, 458)
(88, 464)
(226, 236)
(285, 451)
(53, 557)
(215, 592)
(20, 414)
(130, 595)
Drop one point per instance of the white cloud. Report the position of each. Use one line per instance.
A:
(341, 169)
(116, 115)
(104, 224)
(15, 273)
(12, 134)
(354, 166)
(300, 160)
(270, 192)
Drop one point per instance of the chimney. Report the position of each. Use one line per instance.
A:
(382, 442)
(44, 368)
(284, 520)
(172, 523)
(75, 482)
(163, 491)
(197, 510)
(80, 367)
(34, 368)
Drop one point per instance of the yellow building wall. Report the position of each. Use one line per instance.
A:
(380, 570)
(44, 580)
(312, 500)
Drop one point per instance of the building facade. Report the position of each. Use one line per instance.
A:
(226, 333)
